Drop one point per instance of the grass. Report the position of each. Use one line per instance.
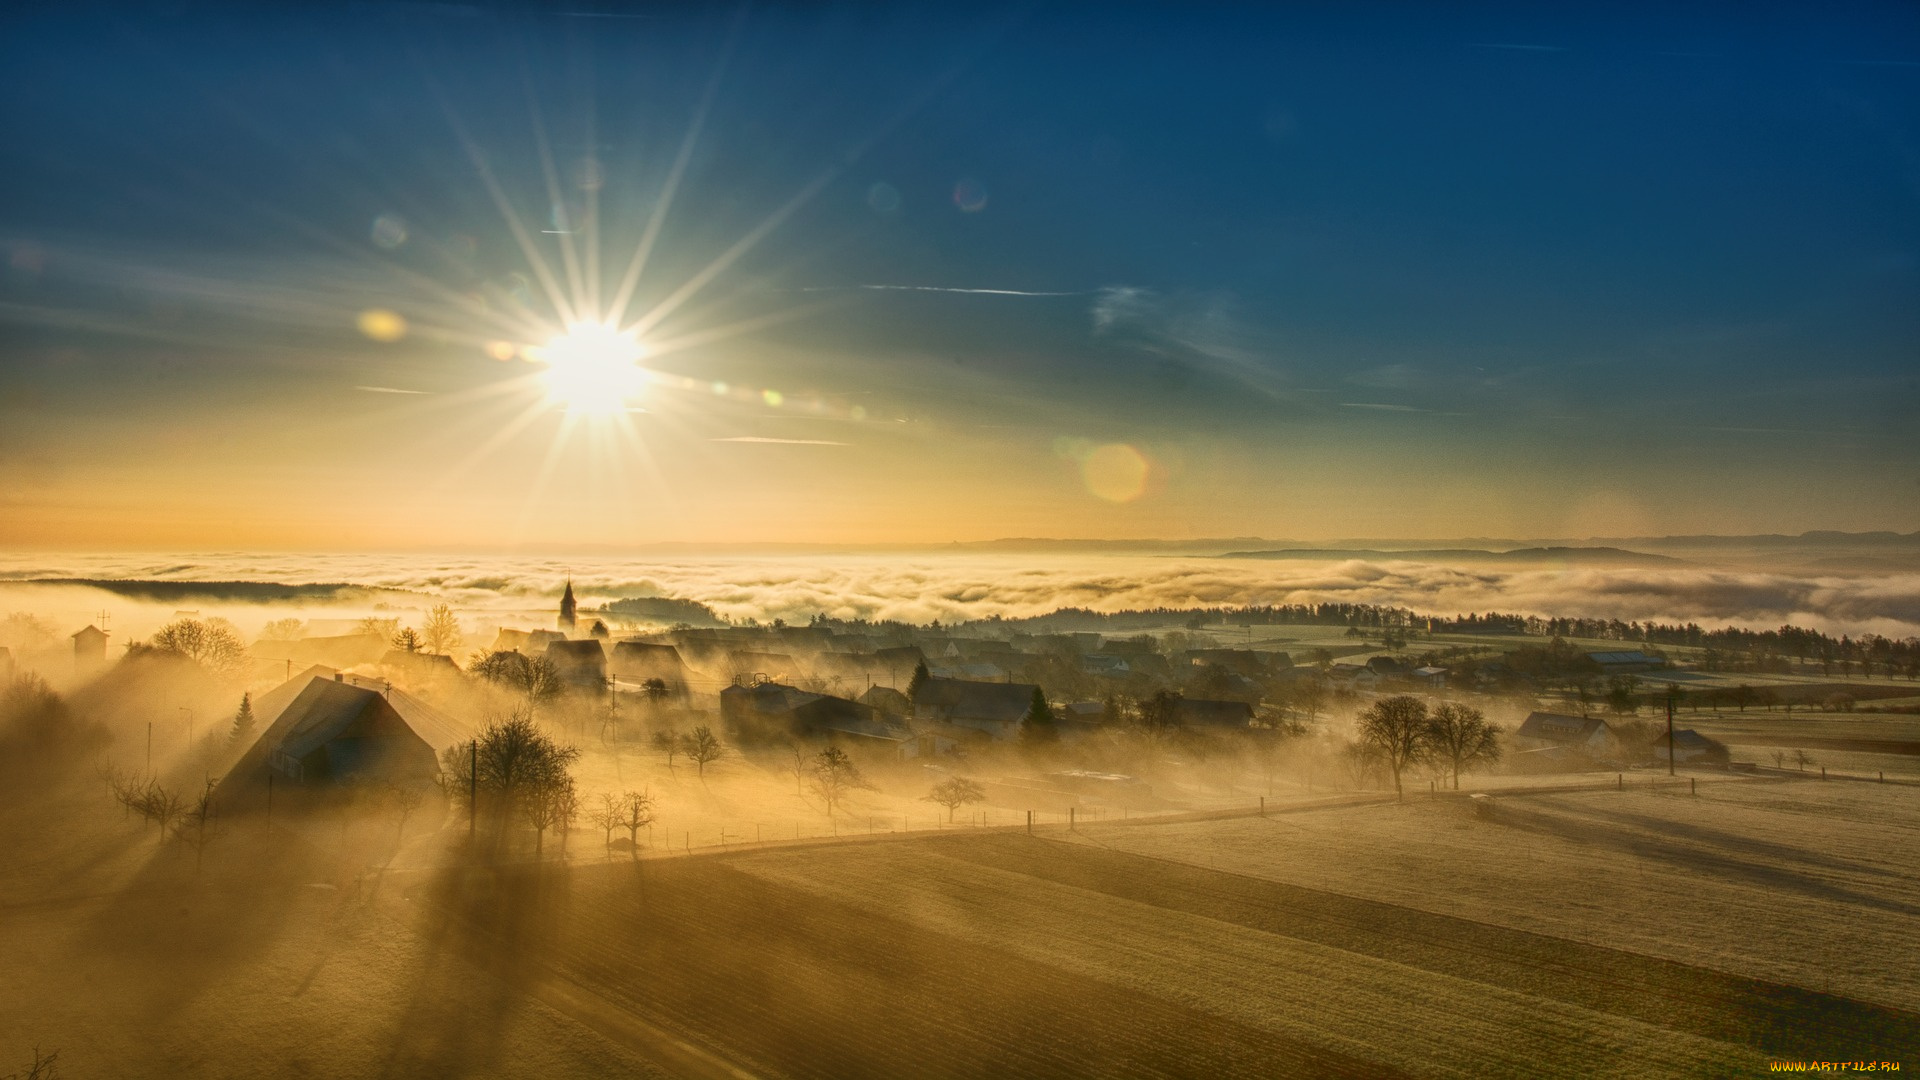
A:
(1592, 933)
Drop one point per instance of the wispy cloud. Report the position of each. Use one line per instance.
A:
(782, 442)
(387, 390)
(945, 289)
(1380, 407)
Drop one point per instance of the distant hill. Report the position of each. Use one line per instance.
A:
(666, 609)
(169, 592)
(1586, 556)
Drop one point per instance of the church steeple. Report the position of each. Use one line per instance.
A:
(567, 620)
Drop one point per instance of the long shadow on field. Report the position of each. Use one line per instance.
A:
(1648, 844)
(801, 986)
(177, 929)
(1784, 1021)
(486, 931)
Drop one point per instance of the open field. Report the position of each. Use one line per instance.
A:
(1590, 933)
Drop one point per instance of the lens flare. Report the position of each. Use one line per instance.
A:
(593, 368)
(1115, 472)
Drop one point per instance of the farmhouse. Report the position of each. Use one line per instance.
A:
(993, 708)
(638, 661)
(1201, 713)
(582, 663)
(334, 732)
(1553, 735)
(886, 700)
(770, 711)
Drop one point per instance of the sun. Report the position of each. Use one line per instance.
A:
(593, 368)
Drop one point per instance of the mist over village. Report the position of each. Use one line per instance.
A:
(1345, 541)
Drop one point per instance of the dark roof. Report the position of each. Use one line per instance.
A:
(88, 631)
(1633, 657)
(583, 649)
(322, 712)
(1556, 727)
(1214, 713)
(1003, 702)
(885, 698)
(1686, 739)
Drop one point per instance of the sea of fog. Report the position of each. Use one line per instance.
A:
(924, 586)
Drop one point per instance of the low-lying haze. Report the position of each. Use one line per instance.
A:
(921, 587)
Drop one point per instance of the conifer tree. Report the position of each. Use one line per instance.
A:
(242, 721)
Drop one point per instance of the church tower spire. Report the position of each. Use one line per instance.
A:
(567, 620)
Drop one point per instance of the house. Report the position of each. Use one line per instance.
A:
(334, 732)
(1201, 713)
(992, 707)
(770, 712)
(1626, 663)
(582, 664)
(637, 661)
(886, 700)
(89, 648)
(1360, 676)
(333, 650)
(1434, 678)
(1690, 746)
(420, 665)
(1239, 661)
(1554, 736)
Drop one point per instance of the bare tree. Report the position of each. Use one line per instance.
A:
(668, 742)
(606, 815)
(517, 765)
(213, 644)
(1779, 759)
(835, 774)
(548, 803)
(194, 822)
(1461, 738)
(440, 633)
(377, 626)
(1802, 759)
(955, 792)
(535, 677)
(404, 799)
(636, 813)
(798, 766)
(702, 747)
(42, 1067)
(1396, 728)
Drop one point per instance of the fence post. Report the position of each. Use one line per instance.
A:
(1263, 806)
(1823, 772)
(1071, 818)
(1029, 823)
(1620, 781)
(1693, 786)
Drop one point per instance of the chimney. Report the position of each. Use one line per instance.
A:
(339, 677)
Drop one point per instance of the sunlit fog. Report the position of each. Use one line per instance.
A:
(873, 541)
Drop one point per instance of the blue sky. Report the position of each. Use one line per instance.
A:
(1324, 270)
